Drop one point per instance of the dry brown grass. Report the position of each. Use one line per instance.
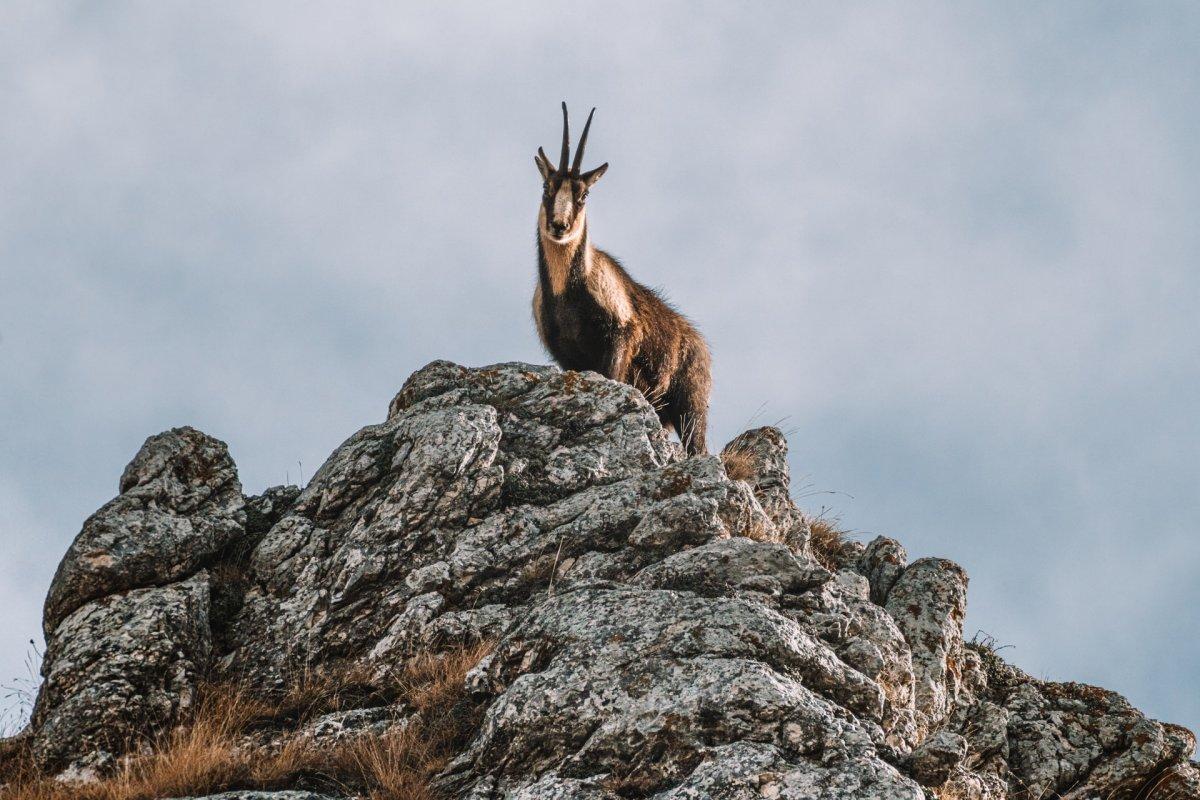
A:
(208, 754)
(399, 764)
(761, 531)
(313, 692)
(826, 539)
(396, 765)
(740, 464)
(198, 758)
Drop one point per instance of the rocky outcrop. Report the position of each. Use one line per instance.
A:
(127, 615)
(661, 629)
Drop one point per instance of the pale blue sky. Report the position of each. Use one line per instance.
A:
(954, 246)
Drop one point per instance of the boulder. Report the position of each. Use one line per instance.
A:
(118, 668)
(928, 602)
(180, 505)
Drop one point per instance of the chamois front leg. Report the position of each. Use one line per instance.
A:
(621, 368)
(620, 358)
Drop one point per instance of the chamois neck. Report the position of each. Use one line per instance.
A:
(562, 257)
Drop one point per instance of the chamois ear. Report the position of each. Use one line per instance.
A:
(593, 175)
(543, 164)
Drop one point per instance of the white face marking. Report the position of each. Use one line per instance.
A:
(564, 203)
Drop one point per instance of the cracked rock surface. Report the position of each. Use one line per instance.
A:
(661, 630)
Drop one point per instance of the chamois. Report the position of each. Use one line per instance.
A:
(591, 315)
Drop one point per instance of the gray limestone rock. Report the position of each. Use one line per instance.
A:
(928, 602)
(661, 629)
(710, 672)
(118, 668)
(936, 759)
(180, 505)
(764, 451)
(883, 561)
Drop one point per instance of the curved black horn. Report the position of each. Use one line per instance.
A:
(582, 143)
(566, 144)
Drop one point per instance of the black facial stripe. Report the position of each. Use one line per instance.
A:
(548, 193)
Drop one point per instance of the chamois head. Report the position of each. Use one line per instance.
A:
(564, 190)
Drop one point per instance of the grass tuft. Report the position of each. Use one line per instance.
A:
(740, 464)
(761, 531)
(826, 538)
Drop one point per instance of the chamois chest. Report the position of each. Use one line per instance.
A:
(576, 328)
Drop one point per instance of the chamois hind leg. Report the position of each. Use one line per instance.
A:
(689, 426)
(693, 432)
(687, 407)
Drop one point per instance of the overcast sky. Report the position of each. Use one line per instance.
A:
(953, 246)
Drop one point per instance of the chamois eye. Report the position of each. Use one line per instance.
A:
(583, 195)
